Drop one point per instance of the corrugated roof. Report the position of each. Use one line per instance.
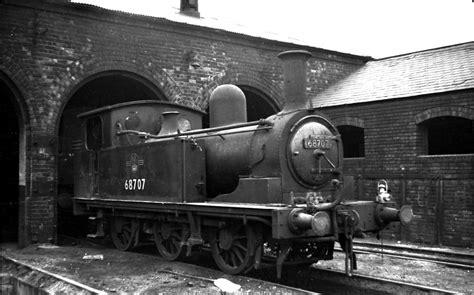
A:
(432, 71)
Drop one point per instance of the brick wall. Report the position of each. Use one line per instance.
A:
(49, 51)
(439, 188)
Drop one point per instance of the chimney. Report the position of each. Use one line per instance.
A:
(189, 8)
(294, 78)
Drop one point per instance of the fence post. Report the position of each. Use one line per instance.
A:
(439, 210)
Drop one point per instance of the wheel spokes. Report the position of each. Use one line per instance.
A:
(233, 259)
(123, 231)
(238, 254)
(171, 247)
(231, 249)
(239, 245)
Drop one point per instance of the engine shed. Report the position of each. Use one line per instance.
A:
(407, 119)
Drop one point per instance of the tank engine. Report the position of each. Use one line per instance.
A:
(148, 171)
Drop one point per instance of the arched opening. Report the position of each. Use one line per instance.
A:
(104, 89)
(11, 164)
(259, 105)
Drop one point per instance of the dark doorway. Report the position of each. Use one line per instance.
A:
(101, 90)
(9, 153)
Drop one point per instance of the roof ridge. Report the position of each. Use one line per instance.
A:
(452, 46)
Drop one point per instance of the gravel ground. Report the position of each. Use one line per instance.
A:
(114, 271)
(129, 272)
(417, 272)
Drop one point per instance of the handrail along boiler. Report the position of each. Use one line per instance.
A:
(148, 171)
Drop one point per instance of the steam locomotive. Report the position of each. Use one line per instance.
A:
(149, 171)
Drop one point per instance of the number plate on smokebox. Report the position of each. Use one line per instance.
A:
(317, 143)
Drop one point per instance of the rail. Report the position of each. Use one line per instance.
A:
(453, 259)
(77, 285)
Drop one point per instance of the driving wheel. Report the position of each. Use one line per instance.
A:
(124, 232)
(232, 249)
(170, 239)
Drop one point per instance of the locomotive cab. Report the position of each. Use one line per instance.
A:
(115, 163)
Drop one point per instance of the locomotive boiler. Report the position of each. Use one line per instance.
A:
(149, 171)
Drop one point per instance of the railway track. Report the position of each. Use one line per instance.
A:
(52, 283)
(29, 279)
(301, 280)
(20, 277)
(313, 280)
(310, 280)
(333, 281)
(439, 256)
(369, 284)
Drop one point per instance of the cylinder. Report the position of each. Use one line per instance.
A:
(227, 105)
(294, 78)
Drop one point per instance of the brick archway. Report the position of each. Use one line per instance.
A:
(100, 89)
(152, 76)
(259, 104)
(452, 111)
(351, 121)
(266, 95)
(249, 79)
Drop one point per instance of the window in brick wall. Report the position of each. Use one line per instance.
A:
(448, 135)
(352, 141)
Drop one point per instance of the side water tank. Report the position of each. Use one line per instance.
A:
(227, 105)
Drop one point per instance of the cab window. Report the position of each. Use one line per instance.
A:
(94, 133)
